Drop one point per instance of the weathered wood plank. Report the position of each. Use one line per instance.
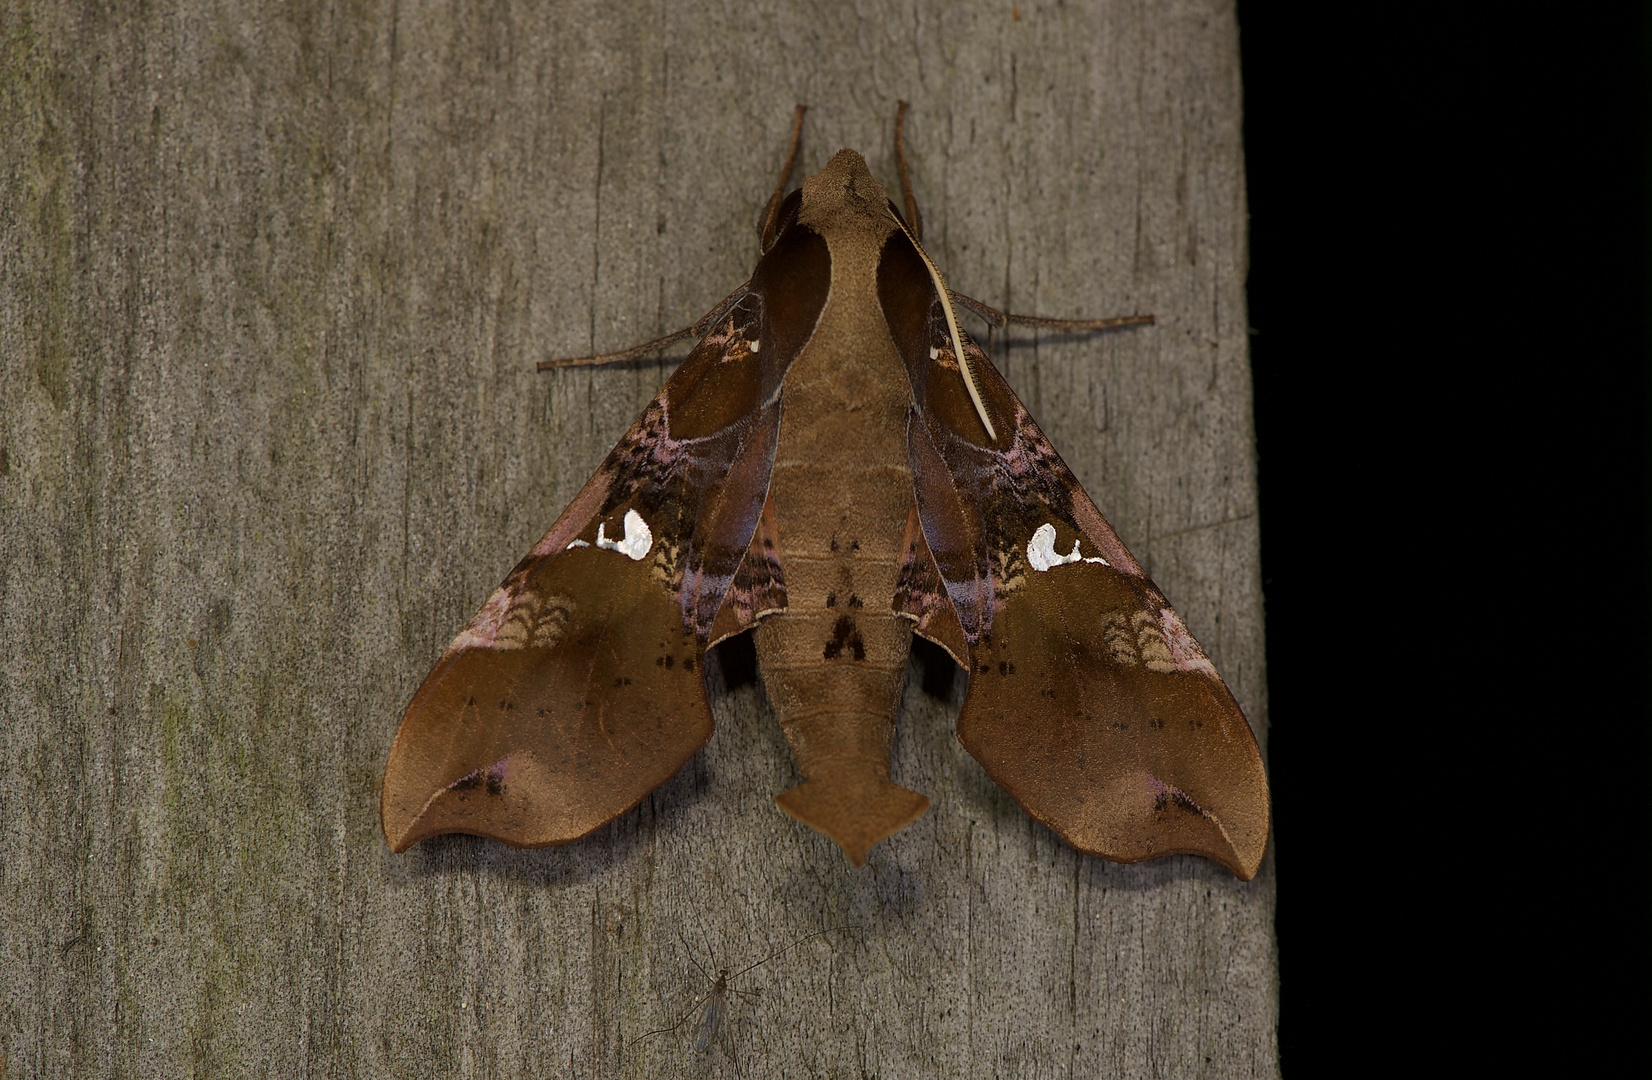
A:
(272, 284)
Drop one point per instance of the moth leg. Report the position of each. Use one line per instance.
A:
(765, 234)
(997, 320)
(637, 352)
(906, 176)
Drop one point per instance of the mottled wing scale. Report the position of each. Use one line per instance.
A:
(921, 595)
(1089, 701)
(578, 687)
(759, 585)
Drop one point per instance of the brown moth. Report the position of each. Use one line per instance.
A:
(834, 467)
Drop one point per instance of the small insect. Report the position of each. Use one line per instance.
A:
(713, 1005)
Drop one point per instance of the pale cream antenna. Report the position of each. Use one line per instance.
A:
(952, 328)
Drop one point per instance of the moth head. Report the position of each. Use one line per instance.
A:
(843, 187)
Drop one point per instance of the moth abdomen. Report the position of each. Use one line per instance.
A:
(837, 704)
(846, 641)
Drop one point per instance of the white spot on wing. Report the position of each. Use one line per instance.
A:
(934, 353)
(755, 346)
(1041, 550)
(638, 539)
(577, 543)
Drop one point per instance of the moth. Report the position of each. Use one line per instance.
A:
(835, 467)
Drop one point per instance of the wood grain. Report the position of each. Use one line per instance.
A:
(273, 280)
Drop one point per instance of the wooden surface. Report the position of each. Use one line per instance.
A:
(273, 280)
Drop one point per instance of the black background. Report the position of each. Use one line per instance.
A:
(1449, 294)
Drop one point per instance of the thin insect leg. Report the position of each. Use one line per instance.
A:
(708, 1026)
(708, 995)
(999, 319)
(906, 176)
(789, 948)
(704, 937)
(728, 1041)
(734, 1060)
(691, 959)
(714, 1000)
(765, 234)
(680, 1021)
(637, 352)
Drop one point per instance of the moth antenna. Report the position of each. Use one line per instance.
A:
(637, 352)
(773, 212)
(906, 176)
(952, 329)
(997, 319)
